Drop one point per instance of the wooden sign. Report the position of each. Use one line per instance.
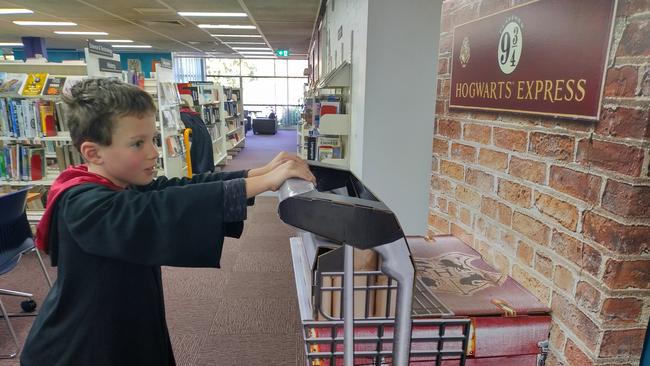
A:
(546, 57)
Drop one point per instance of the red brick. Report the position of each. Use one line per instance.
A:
(556, 338)
(627, 274)
(435, 165)
(479, 179)
(462, 234)
(580, 324)
(493, 159)
(492, 233)
(611, 156)
(510, 139)
(626, 200)
(488, 116)
(533, 171)
(645, 82)
(441, 147)
(443, 88)
(618, 343)
(468, 196)
(624, 122)
(449, 128)
(575, 356)
(635, 41)
(441, 107)
(591, 259)
(443, 65)
(465, 216)
(441, 184)
(587, 296)
(477, 133)
(544, 265)
(525, 252)
(515, 193)
(451, 169)
(559, 147)
(501, 262)
(480, 226)
(485, 250)
(551, 357)
(439, 223)
(620, 238)
(567, 247)
(531, 283)
(621, 82)
(465, 14)
(577, 184)
(464, 153)
(564, 213)
(563, 278)
(442, 204)
(617, 311)
(453, 209)
(445, 41)
(496, 210)
(509, 240)
(492, 6)
(531, 228)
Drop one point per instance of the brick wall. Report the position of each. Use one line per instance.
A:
(562, 206)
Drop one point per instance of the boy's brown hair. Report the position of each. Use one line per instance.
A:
(94, 105)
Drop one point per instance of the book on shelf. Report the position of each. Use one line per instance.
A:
(329, 147)
(13, 83)
(67, 155)
(175, 146)
(54, 85)
(34, 84)
(312, 143)
(31, 118)
(21, 162)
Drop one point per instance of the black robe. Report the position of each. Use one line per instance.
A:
(201, 152)
(106, 306)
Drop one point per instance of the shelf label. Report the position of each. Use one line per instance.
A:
(106, 65)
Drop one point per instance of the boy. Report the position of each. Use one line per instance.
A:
(109, 227)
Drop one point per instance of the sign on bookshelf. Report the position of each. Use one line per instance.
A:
(100, 49)
(106, 65)
(545, 57)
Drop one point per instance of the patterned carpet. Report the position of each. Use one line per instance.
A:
(242, 314)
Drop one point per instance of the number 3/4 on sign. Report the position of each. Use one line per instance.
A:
(510, 45)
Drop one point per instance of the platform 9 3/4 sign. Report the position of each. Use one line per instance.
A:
(545, 57)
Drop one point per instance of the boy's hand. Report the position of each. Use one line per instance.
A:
(277, 161)
(289, 169)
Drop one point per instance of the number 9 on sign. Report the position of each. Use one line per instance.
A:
(510, 45)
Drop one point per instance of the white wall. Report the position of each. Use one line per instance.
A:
(394, 67)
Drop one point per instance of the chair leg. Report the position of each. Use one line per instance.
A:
(16, 293)
(40, 260)
(11, 330)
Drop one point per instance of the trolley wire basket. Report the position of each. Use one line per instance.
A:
(436, 337)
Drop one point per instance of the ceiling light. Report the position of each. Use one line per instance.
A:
(208, 14)
(227, 26)
(83, 33)
(114, 40)
(130, 46)
(253, 56)
(15, 11)
(237, 35)
(252, 48)
(256, 52)
(31, 22)
(245, 43)
(13, 44)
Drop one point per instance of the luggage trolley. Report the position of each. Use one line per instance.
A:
(340, 211)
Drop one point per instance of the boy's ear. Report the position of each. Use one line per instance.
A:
(91, 151)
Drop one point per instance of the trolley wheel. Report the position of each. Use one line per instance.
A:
(28, 306)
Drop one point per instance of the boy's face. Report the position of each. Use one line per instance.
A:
(131, 157)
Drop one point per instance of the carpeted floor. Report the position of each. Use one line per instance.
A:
(242, 314)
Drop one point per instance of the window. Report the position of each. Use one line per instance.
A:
(268, 85)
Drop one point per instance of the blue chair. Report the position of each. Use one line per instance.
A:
(15, 240)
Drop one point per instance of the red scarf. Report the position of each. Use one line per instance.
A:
(71, 177)
(190, 111)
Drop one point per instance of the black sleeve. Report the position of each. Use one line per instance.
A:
(177, 226)
(164, 182)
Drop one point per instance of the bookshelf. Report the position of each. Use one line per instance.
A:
(324, 131)
(34, 138)
(174, 159)
(233, 117)
(212, 109)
